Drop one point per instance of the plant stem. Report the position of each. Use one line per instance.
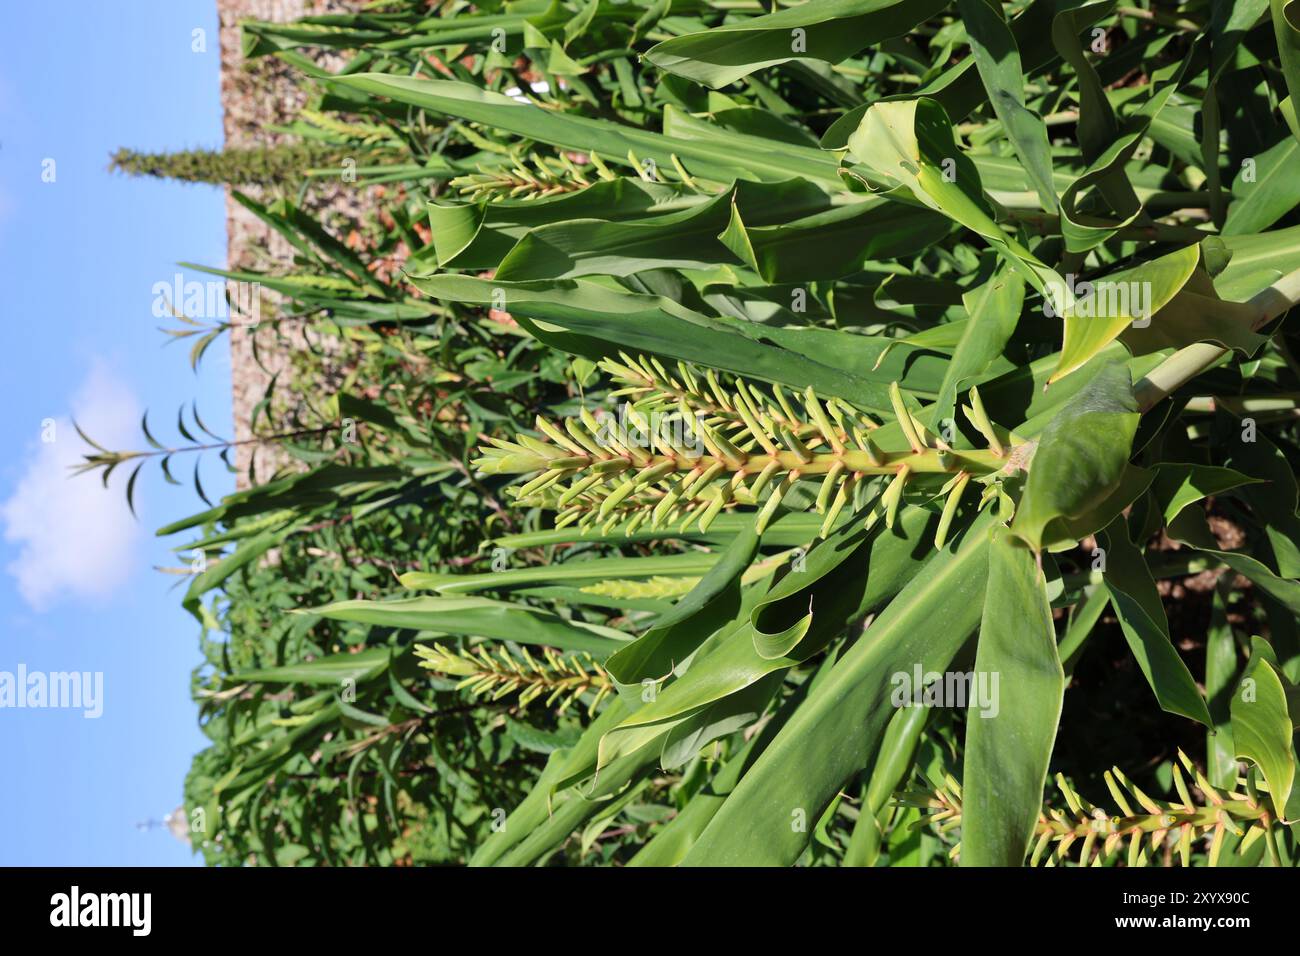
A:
(1155, 232)
(1165, 19)
(1189, 362)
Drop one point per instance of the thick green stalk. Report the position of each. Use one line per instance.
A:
(926, 461)
(1189, 362)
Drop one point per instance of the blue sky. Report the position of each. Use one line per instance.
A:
(80, 256)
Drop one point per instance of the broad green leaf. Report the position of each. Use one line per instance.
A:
(1107, 171)
(568, 811)
(958, 88)
(588, 319)
(479, 617)
(1191, 528)
(1220, 684)
(1009, 739)
(1261, 724)
(1265, 189)
(1104, 311)
(997, 58)
(1257, 262)
(216, 573)
(1083, 620)
(825, 30)
(892, 764)
(1195, 313)
(479, 235)
(714, 722)
(1137, 605)
(539, 805)
(1084, 230)
(682, 240)
(670, 844)
(1179, 485)
(1098, 127)
(610, 140)
(1275, 498)
(595, 569)
(329, 670)
(834, 243)
(994, 310)
(1081, 456)
(1286, 26)
(1065, 533)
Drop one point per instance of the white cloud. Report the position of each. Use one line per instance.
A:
(75, 537)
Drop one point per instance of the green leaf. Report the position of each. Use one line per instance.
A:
(1220, 683)
(1009, 739)
(479, 617)
(595, 569)
(994, 309)
(1141, 616)
(1261, 724)
(611, 141)
(998, 60)
(682, 240)
(832, 244)
(1257, 262)
(1096, 320)
(779, 631)
(1196, 313)
(479, 235)
(823, 30)
(1081, 456)
(587, 319)
(1265, 190)
(1274, 497)
(1097, 125)
(892, 764)
(329, 670)
(1286, 26)
(1179, 485)
(217, 572)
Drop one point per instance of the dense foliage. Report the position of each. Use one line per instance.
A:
(753, 369)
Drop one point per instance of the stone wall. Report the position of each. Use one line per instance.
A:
(255, 96)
